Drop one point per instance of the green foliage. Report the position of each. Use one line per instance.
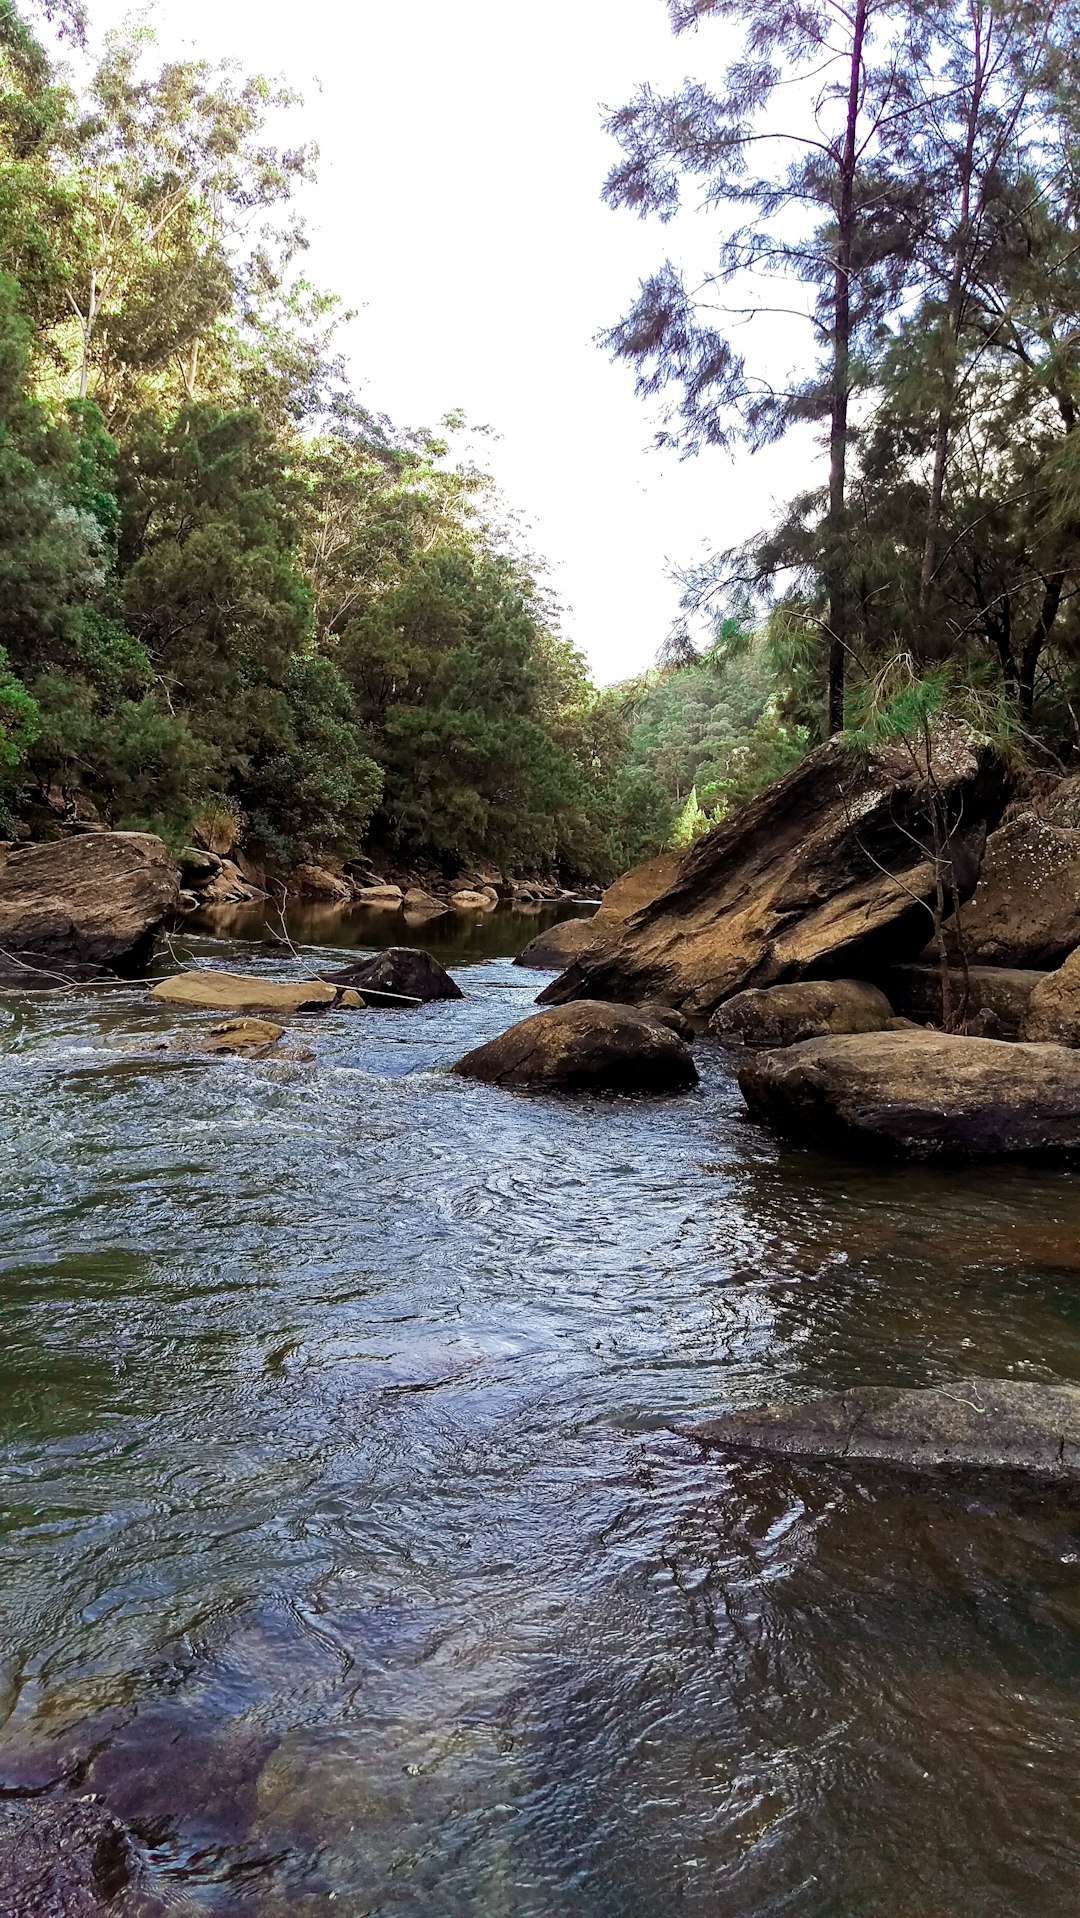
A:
(263, 602)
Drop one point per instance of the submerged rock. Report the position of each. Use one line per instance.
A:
(825, 874)
(80, 907)
(210, 991)
(586, 1047)
(989, 1423)
(402, 971)
(66, 1857)
(808, 1009)
(920, 1095)
(255, 1037)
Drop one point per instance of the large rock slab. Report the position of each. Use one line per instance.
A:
(920, 1095)
(80, 907)
(66, 1857)
(586, 1047)
(1001, 992)
(769, 1016)
(825, 874)
(210, 991)
(557, 946)
(999, 1424)
(402, 971)
(572, 939)
(1053, 1011)
(1026, 908)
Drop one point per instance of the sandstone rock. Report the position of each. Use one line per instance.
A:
(229, 887)
(242, 1035)
(67, 1857)
(808, 1009)
(210, 991)
(1026, 908)
(822, 875)
(79, 907)
(1053, 1012)
(586, 1047)
(554, 948)
(668, 1016)
(378, 896)
(987, 1423)
(424, 905)
(402, 971)
(1000, 991)
(641, 885)
(198, 867)
(314, 882)
(920, 1095)
(469, 901)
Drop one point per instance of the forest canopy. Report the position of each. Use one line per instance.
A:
(228, 585)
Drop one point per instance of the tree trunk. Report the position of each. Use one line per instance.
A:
(839, 614)
(954, 321)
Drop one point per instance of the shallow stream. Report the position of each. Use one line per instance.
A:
(346, 1548)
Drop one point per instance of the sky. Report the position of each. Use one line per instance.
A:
(458, 211)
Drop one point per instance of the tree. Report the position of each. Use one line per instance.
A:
(826, 216)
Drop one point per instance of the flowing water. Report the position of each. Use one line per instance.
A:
(346, 1547)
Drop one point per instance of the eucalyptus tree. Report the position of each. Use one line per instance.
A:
(795, 135)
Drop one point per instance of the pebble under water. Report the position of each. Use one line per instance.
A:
(346, 1547)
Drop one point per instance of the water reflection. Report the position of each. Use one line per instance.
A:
(346, 1549)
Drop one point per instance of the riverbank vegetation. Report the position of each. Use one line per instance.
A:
(227, 585)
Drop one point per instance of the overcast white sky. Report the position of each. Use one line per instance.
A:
(458, 210)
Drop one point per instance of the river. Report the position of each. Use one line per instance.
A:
(346, 1548)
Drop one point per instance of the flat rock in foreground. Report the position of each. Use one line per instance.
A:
(825, 874)
(586, 1047)
(210, 991)
(1007, 1424)
(920, 1095)
(77, 908)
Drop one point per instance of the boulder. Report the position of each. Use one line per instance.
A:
(378, 896)
(424, 905)
(402, 971)
(242, 1035)
(554, 948)
(1000, 991)
(571, 939)
(1053, 1010)
(198, 868)
(210, 991)
(228, 887)
(668, 1016)
(998, 1424)
(314, 882)
(920, 1095)
(808, 1009)
(67, 1857)
(825, 874)
(1026, 908)
(586, 1047)
(80, 907)
(469, 901)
